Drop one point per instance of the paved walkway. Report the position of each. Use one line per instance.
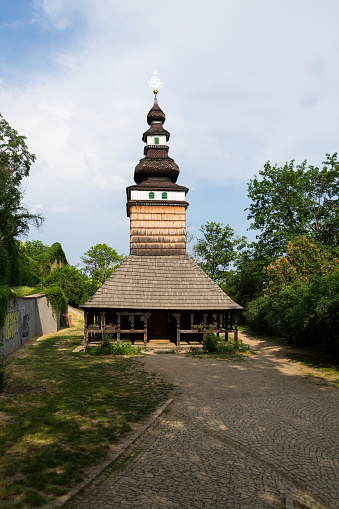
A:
(240, 435)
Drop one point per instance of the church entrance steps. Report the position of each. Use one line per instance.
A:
(159, 341)
(156, 345)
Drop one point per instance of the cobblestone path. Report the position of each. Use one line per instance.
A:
(240, 435)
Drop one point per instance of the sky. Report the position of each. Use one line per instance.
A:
(244, 82)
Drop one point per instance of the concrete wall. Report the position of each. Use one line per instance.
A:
(27, 318)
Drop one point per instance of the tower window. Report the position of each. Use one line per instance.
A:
(164, 196)
(151, 195)
(156, 141)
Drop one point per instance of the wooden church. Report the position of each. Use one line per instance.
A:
(158, 294)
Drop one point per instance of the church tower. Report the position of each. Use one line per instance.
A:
(156, 205)
(158, 293)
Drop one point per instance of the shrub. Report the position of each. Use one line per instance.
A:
(257, 313)
(122, 348)
(117, 348)
(213, 344)
(303, 313)
(56, 298)
(210, 342)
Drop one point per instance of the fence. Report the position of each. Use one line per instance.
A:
(27, 318)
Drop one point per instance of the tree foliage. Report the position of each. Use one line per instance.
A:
(41, 259)
(75, 285)
(246, 281)
(15, 219)
(291, 201)
(35, 248)
(304, 258)
(57, 298)
(302, 296)
(100, 261)
(217, 249)
(303, 313)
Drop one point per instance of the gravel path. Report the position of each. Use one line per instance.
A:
(252, 434)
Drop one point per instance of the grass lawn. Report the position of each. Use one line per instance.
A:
(22, 290)
(62, 411)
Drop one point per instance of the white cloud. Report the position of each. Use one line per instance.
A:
(60, 13)
(37, 209)
(244, 82)
(59, 209)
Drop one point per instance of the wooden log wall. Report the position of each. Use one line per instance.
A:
(158, 229)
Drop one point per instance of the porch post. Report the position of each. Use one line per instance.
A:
(192, 320)
(145, 330)
(103, 323)
(119, 325)
(146, 316)
(221, 319)
(177, 317)
(132, 321)
(235, 327)
(205, 315)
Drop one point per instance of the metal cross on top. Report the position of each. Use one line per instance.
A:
(155, 82)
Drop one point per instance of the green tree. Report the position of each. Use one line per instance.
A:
(35, 248)
(75, 285)
(246, 282)
(304, 259)
(38, 259)
(100, 261)
(15, 219)
(291, 201)
(217, 249)
(302, 295)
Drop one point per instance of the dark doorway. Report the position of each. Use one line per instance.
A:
(158, 325)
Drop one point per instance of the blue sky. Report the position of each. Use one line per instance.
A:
(244, 82)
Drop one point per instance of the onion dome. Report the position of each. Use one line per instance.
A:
(156, 164)
(156, 168)
(156, 114)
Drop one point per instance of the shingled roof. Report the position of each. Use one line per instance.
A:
(160, 282)
(161, 183)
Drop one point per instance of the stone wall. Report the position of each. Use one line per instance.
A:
(27, 318)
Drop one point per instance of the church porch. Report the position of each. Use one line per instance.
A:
(158, 327)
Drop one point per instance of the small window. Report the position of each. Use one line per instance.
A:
(151, 195)
(156, 141)
(164, 196)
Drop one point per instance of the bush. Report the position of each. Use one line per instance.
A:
(213, 344)
(56, 298)
(257, 313)
(117, 348)
(303, 313)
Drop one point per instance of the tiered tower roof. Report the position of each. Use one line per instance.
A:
(156, 164)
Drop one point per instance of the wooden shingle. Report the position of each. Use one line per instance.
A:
(160, 282)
